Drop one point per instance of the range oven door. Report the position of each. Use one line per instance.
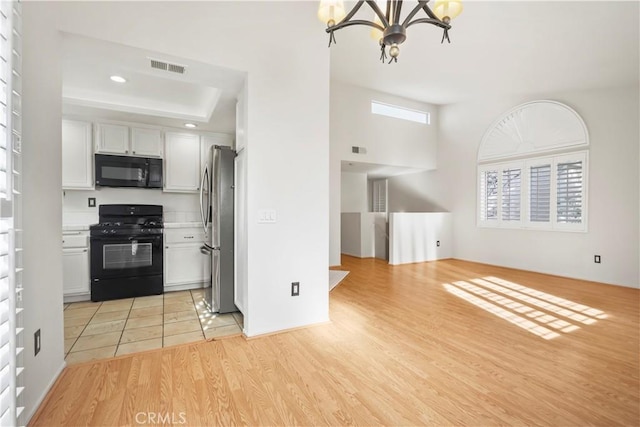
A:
(125, 267)
(121, 257)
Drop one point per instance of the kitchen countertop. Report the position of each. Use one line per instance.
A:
(182, 224)
(85, 227)
(75, 227)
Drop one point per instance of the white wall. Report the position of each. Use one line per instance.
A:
(351, 233)
(42, 202)
(388, 141)
(419, 237)
(363, 234)
(611, 116)
(288, 136)
(353, 192)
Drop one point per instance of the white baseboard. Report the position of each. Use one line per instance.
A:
(38, 402)
(186, 286)
(76, 298)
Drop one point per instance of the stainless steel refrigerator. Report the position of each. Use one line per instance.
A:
(216, 209)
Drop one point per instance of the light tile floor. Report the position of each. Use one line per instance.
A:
(98, 330)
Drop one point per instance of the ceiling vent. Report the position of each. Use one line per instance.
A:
(165, 66)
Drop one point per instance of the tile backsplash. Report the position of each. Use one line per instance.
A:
(178, 207)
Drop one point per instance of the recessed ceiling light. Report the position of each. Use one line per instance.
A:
(118, 79)
(190, 125)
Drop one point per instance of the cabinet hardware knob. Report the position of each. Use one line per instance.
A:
(126, 151)
(133, 152)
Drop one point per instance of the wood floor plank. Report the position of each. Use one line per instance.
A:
(440, 343)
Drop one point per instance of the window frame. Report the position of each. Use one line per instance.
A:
(525, 165)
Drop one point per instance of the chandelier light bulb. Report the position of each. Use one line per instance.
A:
(394, 50)
(331, 11)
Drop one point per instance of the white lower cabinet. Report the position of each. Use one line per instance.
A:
(185, 267)
(75, 267)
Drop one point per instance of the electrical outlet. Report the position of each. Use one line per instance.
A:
(438, 243)
(36, 343)
(295, 289)
(92, 202)
(596, 259)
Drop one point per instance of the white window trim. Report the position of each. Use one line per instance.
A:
(525, 165)
(401, 113)
(499, 168)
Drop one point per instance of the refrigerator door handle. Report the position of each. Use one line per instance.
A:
(215, 194)
(204, 206)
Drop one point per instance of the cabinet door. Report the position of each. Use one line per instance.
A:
(186, 264)
(77, 156)
(113, 139)
(146, 142)
(75, 271)
(182, 162)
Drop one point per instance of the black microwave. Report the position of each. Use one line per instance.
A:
(126, 171)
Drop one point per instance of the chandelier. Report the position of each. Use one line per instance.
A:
(388, 28)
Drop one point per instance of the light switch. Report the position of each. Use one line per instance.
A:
(266, 216)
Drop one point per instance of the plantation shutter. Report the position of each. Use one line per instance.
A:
(488, 195)
(540, 193)
(569, 192)
(380, 195)
(511, 190)
(11, 339)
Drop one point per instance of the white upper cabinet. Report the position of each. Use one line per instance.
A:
(120, 139)
(77, 156)
(182, 162)
(112, 139)
(208, 141)
(146, 142)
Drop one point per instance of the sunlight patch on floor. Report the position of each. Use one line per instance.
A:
(507, 315)
(580, 308)
(491, 294)
(536, 302)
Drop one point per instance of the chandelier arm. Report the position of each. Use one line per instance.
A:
(376, 9)
(388, 12)
(435, 22)
(415, 10)
(343, 24)
(430, 13)
(397, 8)
(351, 13)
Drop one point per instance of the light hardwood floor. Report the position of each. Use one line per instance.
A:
(420, 344)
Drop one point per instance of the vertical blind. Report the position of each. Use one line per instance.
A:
(540, 193)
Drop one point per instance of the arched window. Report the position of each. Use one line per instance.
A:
(532, 169)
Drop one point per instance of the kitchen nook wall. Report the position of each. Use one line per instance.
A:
(287, 135)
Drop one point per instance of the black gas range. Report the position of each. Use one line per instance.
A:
(126, 252)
